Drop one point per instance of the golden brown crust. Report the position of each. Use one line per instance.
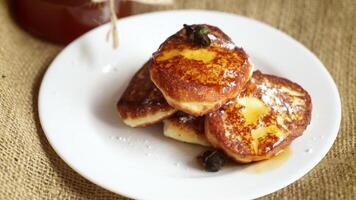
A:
(142, 100)
(212, 79)
(289, 114)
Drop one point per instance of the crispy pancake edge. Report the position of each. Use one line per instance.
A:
(135, 114)
(149, 119)
(183, 133)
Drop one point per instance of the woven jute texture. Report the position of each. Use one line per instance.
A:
(30, 169)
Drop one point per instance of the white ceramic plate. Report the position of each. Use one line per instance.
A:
(77, 111)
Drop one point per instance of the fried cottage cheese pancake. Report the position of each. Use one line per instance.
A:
(196, 79)
(142, 103)
(265, 117)
(186, 128)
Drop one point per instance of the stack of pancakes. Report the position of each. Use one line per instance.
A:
(209, 95)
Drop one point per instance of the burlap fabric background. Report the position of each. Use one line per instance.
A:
(30, 169)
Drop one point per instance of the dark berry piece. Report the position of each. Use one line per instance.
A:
(212, 160)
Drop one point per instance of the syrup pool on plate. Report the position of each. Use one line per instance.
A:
(271, 164)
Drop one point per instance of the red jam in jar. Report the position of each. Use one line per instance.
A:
(62, 21)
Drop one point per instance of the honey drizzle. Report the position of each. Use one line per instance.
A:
(270, 165)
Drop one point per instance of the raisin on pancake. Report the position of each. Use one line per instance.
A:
(265, 117)
(142, 103)
(199, 68)
(186, 128)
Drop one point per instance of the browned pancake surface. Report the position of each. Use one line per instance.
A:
(266, 116)
(186, 72)
(142, 102)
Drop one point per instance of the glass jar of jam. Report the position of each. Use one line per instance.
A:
(62, 21)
